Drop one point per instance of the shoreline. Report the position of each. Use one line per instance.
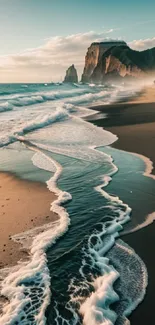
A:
(133, 121)
(28, 199)
(25, 205)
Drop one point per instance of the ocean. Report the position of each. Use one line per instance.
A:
(80, 271)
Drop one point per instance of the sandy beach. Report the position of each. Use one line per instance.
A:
(133, 122)
(23, 206)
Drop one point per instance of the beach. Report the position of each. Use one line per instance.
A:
(24, 206)
(133, 121)
(47, 147)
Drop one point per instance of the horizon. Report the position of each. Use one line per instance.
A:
(54, 39)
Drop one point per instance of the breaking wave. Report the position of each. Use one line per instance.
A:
(5, 107)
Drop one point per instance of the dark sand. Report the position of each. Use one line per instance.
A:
(134, 124)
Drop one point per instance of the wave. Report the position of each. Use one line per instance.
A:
(5, 107)
(60, 113)
(19, 100)
(77, 95)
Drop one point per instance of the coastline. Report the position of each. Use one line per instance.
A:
(30, 222)
(24, 205)
(133, 121)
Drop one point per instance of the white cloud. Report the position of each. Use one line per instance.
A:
(49, 61)
(142, 44)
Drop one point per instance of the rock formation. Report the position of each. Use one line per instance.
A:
(71, 75)
(111, 60)
(94, 55)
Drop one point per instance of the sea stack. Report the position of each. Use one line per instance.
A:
(71, 75)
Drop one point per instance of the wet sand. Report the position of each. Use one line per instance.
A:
(23, 206)
(133, 122)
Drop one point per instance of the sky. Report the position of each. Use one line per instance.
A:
(39, 39)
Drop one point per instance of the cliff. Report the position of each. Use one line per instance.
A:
(71, 74)
(117, 61)
(94, 55)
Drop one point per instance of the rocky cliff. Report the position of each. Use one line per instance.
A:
(94, 55)
(71, 74)
(117, 61)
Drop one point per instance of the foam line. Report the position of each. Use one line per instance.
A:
(148, 173)
(150, 218)
(148, 163)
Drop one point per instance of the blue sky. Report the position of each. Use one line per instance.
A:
(26, 24)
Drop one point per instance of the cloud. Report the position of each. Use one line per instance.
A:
(49, 61)
(142, 44)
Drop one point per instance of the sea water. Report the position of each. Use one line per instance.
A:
(78, 271)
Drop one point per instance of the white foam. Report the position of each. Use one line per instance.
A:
(150, 218)
(148, 163)
(4, 107)
(48, 109)
(96, 308)
(42, 162)
(39, 122)
(39, 97)
(74, 138)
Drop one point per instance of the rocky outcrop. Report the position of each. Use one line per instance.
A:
(94, 55)
(118, 61)
(71, 75)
